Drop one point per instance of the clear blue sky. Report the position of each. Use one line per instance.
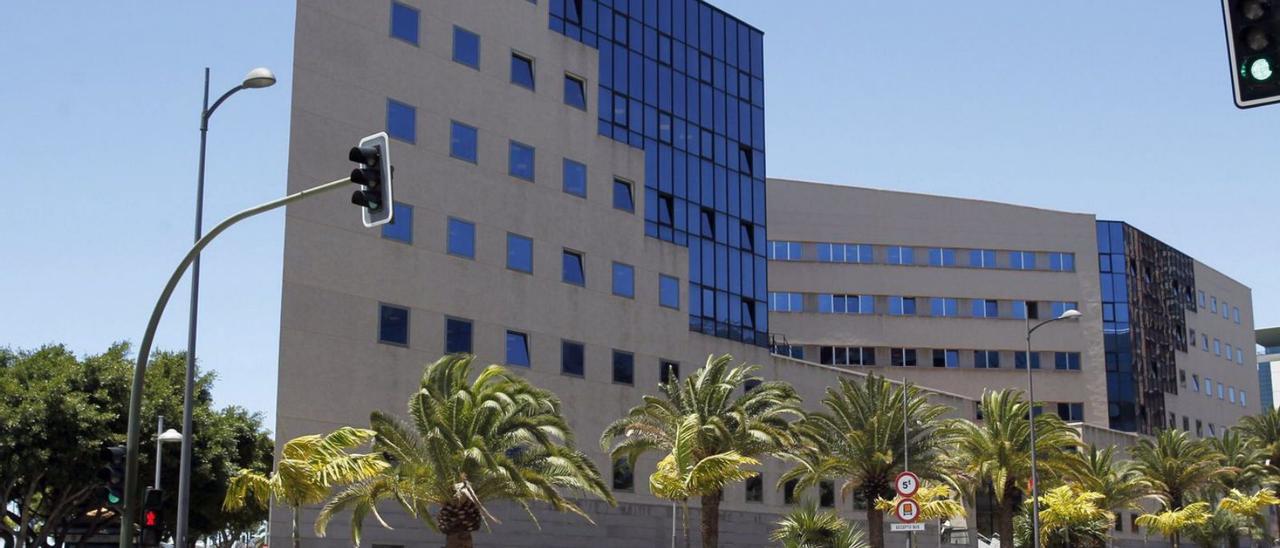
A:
(1117, 108)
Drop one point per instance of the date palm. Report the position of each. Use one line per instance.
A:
(308, 468)
(1171, 522)
(807, 527)
(858, 438)
(997, 452)
(1098, 471)
(1173, 467)
(466, 444)
(724, 417)
(1073, 518)
(1241, 462)
(1263, 431)
(684, 473)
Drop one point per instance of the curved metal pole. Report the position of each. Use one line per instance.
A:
(1031, 421)
(144, 350)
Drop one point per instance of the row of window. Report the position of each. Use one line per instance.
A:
(1233, 314)
(912, 357)
(1199, 431)
(905, 255)
(393, 328)
(898, 305)
(1228, 393)
(1231, 354)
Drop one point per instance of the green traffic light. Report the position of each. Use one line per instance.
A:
(113, 498)
(1260, 69)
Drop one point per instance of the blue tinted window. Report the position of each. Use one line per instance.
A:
(946, 358)
(943, 307)
(622, 198)
(624, 280)
(668, 291)
(572, 358)
(517, 349)
(985, 308)
(393, 324)
(1070, 361)
(573, 271)
(519, 253)
(402, 121)
(404, 23)
(521, 71)
(982, 258)
(400, 228)
(1020, 360)
(466, 47)
(520, 161)
(575, 92)
(902, 255)
(462, 238)
(624, 365)
(462, 142)
(575, 178)
(457, 336)
(942, 257)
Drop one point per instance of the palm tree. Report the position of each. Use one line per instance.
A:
(752, 423)
(1264, 432)
(1173, 467)
(468, 443)
(1248, 511)
(1171, 522)
(935, 501)
(997, 452)
(309, 466)
(806, 527)
(1072, 517)
(1240, 461)
(859, 439)
(1098, 471)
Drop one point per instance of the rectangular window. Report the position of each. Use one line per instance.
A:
(1213, 304)
(575, 92)
(1058, 308)
(623, 476)
(1201, 293)
(986, 308)
(1208, 387)
(1071, 412)
(1226, 315)
(902, 255)
(1239, 356)
(457, 336)
(1235, 314)
(1230, 352)
(669, 291)
(520, 161)
(1243, 403)
(402, 121)
(1066, 361)
(786, 302)
(946, 358)
(572, 358)
(393, 324)
(1231, 394)
(624, 280)
(1062, 262)
(666, 210)
(624, 367)
(404, 23)
(622, 197)
(942, 257)
(462, 142)
(785, 251)
(573, 270)
(519, 253)
(1217, 347)
(400, 228)
(1204, 342)
(755, 488)
(789, 350)
(522, 70)
(461, 238)
(1221, 393)
(517, 349)
(668, 371)
(982, 258)
(1195, 382)
(1022, 260)
(826, 493)
(986, 359)
(902, 306)
(1020, 360)
(575, 178)
(466, 47)
(902, 357)
(943, 307)
(789, 491)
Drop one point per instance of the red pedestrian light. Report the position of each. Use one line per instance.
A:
(150, 518)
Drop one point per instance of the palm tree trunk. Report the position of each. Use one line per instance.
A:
(711, 520)
(1173, 540)
(1004, 520)
(1233, 541)
(295, 532)
(875, 526)
(459, 540)
(684, 515)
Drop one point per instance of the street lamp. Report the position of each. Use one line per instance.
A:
(1031, 420)
(169, 436)
(260, 77)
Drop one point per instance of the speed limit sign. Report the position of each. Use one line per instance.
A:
(906, 484)
(907, 510)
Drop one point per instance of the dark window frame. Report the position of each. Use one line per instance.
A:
(382, 329)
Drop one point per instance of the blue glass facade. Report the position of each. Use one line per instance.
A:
(1264, 386)
(684, 81)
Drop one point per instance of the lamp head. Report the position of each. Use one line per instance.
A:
(170, 435)
(1070, 314)
(260, 77)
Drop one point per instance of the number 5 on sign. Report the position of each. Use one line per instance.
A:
(907, 510)
(906, 484)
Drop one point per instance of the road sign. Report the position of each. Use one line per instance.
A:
(906, 484)
(905, 527)
(907, 510)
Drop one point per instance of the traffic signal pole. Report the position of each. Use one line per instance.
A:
(144, 350)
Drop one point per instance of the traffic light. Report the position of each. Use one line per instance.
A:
(151, 521)
(112, 473)
(1253, 31)
(374, 178)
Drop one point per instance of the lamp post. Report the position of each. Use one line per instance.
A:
(167, 436)
(260, 77)
(1031, 420)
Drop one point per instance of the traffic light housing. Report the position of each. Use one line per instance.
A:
(1253, 45)
(112, 473)
(151, 522)
(374, 177)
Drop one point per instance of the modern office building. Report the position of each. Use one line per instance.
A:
(580, 195)
(1268, 362)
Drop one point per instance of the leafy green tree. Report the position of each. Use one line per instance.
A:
(1172, 522)
(997, 452)
(1174, 467)
(1071, 518)
(858, 438)
(752, 423)
(468, 443)
(683, 473)
(1263, 431)
(1098, 471)
(807, 527)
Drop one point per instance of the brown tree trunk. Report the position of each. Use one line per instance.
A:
(875, 525)
(1004, 520)
(459, 540)
(296, 532)
(1233, 541)
(711, 520)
